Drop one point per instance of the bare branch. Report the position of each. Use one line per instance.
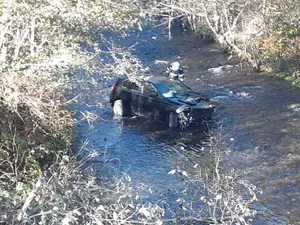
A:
(29, 199)
(173, 7)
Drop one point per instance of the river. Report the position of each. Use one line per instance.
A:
(260, 119)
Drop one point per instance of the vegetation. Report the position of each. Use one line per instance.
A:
(227, 197)
(44, 44)
(266, 33)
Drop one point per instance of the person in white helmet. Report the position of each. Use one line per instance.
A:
(175, 71)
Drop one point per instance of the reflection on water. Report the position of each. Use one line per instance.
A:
(147, 151)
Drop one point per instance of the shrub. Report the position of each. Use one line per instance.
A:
(70, 194)
(258, 31)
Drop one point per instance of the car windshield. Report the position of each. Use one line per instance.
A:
(169, 89)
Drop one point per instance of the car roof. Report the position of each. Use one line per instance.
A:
(153, 79)
(160, 79)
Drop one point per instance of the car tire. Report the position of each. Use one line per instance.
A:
(119, 108)
(173, 120)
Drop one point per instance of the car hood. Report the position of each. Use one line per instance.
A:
(197, 101)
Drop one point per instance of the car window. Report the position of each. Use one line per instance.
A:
(169, 89)
(130, 85)
(148, 89)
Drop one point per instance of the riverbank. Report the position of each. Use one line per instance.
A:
(29, 152)
(44, 45)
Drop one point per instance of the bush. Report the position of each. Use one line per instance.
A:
(259, 31)
(70, 194)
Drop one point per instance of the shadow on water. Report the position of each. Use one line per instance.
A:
(146, 44)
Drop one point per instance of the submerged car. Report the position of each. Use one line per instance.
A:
(170, 101)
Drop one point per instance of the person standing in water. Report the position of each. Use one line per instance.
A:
(175, 71)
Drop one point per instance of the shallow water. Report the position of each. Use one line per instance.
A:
(261, 115)
(260, 123)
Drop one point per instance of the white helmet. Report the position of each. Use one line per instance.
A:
(175, 66)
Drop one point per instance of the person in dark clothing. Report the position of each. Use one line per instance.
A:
(175, 71)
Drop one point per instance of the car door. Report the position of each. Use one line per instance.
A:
(130, 94)
(150, 100)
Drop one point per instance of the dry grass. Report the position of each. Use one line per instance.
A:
(70, 194)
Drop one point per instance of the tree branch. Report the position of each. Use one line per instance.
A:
(29, 199)
(183, 10)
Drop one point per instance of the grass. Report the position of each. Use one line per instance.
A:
(292, 78)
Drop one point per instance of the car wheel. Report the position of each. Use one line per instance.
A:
(119, 108)
(173, 120)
